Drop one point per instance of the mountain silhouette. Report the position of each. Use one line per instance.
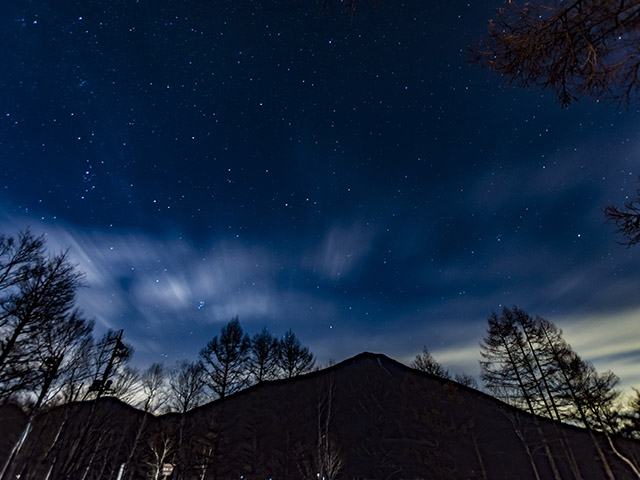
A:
(368, 417)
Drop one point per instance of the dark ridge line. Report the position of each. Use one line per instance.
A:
(379, 357)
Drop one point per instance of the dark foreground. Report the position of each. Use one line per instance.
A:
(368, 417)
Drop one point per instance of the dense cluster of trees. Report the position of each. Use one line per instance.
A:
(526, 362)
(233, 361)
(48, 354)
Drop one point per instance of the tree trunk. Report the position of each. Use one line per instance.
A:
(622, 457)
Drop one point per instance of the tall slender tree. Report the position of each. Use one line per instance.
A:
(187, 385)
(526, 362)
(75, 379)
(503, 367)
(509, 370)
(39, 325)
(225, 360)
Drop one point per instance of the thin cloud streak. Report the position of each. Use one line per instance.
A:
(610, 340)
(343, 249)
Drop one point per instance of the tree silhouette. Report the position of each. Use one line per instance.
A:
(631, 418)
(225, 359)
(294, 359)
(186, 386)
(263, 358)
(577, 49)
(40, 329)
(528, 364)
(57, 345)
(627, 219)
(153, 386)
(78, 374)
(509, 370)
(17, 254)
(466, 380)
(426, 363)
(39, 291)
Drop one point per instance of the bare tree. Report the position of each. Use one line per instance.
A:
(17, 254)
(325, 460)
(126, 384)
(51, 356)
(527, 363)
(294, 359)
(577, 49)
(523, 434)
(225, 359)
(75, 379)
(73, 384)
(329, 459)
(263, 360)
(43, 292)
(56, 345)
(159, 450)
(39, 326)
(631, 417)
(153, 384)
(508, 370)
(593, 397)
(426, 363)
(627, 219)
(186, 386)
(466, 380)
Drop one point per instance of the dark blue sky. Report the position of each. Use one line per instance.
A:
(357, 181)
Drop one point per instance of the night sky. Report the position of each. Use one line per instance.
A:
(356, 180)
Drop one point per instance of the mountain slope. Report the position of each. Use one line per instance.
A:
(368, 417)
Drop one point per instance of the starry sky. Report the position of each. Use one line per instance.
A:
(355, 179)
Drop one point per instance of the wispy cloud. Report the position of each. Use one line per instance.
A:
(610, 340)
(343, 249)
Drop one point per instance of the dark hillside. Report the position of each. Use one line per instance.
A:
(368, 417)
(12, 421)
